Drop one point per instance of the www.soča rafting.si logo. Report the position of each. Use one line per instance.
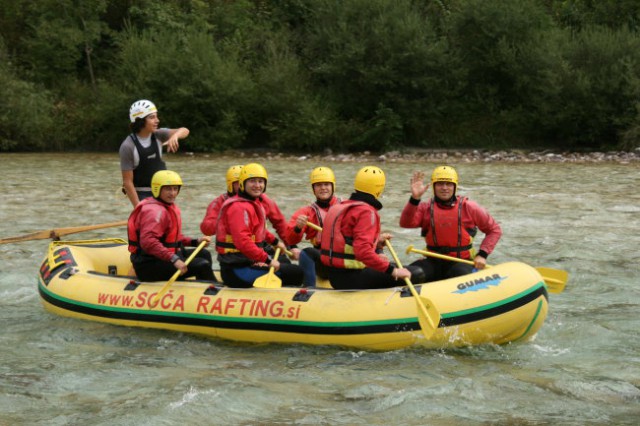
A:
(480, 283)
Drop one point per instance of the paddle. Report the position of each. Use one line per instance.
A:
(314, 226)
(175, 276)
(555, 279)
(270, 279)
(58, 232)
(428, 315)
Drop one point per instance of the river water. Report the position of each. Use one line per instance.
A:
(582, 368)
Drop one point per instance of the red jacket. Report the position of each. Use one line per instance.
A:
(155, 227)
(241, 230)
(316, 215)
(417, 214)
(274, 215)
(359, 228)
(210, 221)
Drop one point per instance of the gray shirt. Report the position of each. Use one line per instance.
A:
(129, 157)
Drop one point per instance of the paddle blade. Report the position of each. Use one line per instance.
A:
(428, 316)
(555, 279)
(268, 280)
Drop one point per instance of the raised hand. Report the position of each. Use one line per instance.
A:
(418, 187)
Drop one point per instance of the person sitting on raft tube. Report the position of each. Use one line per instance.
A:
(323, 186)
(351, 243)
(209, 223)
(141, 151)
(274, 215)
(242, 236)
(449, 222)
(156, 242)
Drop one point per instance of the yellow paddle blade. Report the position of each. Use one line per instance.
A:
(270, 279)
(428, 316)
(555, 279)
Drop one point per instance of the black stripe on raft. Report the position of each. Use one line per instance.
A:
(495, 310)
(288, 327)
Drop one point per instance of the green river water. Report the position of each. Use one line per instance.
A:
(583, 368)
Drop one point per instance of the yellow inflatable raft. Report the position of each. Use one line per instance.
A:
(88, 280)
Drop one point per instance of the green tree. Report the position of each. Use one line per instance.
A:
(25, 110)
(61, 38)
(383, 65)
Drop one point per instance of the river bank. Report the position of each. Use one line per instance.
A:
(455, 156)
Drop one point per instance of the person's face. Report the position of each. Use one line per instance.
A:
(444, 190)
(169, 193)
(235, 186)
(151, 122)
(254, 186)
(323, 190)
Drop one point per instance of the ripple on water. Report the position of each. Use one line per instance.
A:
(582, 368)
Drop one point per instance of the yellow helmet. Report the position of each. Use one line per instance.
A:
(233, 174)
(444, 174)
(371, 180)
(322, 174)
(164, 178)
(252, 170)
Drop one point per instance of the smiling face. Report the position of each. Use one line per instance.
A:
(254, 186)
(444, 190)
(151, 123)
(323, 190)
(169, 193)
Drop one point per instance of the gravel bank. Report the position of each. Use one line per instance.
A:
(459, 156)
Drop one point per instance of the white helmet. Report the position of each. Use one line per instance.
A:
(140, 109)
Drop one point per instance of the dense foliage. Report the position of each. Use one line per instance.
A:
(307, 75)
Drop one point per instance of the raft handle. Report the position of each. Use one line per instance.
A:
(303, 295)
(212, 290)
(133, 284)
(406, 291)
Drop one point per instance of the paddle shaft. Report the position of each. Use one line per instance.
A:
(427, 324)
(58, 232)
(556, 285)
(175, 276)
(314, 226)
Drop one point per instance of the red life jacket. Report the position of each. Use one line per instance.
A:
(336, 249)
(321, 213)
(446, 235)
(170, 239)
(224, 240)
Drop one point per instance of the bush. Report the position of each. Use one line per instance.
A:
(601, 89)
(25, 111)
(382, 65)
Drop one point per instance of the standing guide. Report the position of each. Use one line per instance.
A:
(351, 243)
(141, 151)
(448, 224)
(323, 186)
(242, 236)
(155, 235)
